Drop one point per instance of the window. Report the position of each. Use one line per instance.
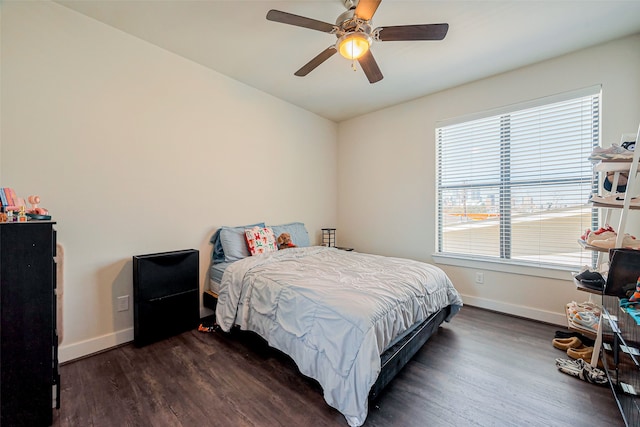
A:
(513, 184)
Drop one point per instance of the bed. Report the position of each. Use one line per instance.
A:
(348, 320)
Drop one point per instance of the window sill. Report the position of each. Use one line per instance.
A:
(560, 273)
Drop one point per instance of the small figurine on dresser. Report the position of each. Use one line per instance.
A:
(36, 212)
(22, 215)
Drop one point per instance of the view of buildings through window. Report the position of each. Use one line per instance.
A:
(515, 186)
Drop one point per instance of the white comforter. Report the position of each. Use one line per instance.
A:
(333, 312)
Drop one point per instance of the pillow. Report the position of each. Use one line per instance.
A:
(231, 244)
(297, 230)
(261, 240)
(218, 253)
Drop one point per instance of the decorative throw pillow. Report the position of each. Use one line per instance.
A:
(261, 240)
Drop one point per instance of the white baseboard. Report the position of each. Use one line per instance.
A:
(80, 349)
(517, 310)
(67, 353)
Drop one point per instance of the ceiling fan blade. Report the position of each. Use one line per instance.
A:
(413, 32)
(299, 21)
(370, 67)
(366, 9)
(319, 59)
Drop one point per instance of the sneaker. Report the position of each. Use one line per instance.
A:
(584, 320)
(630, 241)
(615, 152)
(606, 233)
(615, 200)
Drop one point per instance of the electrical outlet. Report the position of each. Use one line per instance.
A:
(123, 303)
(479, 277)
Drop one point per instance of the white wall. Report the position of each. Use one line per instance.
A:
(135, 150)
(386, 186)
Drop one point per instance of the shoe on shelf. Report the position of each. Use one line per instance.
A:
(614, 152)
(615, 200)
(629, 241)
(603, 233)
(586, 306)
(584, 320)
(591, 279)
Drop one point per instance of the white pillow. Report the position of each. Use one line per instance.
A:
(261, 240)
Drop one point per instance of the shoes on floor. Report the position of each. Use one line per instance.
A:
(583, 353)
(567, 343)
(203, 328)
(581, 369)
(568, 334)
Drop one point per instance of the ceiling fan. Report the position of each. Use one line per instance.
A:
(355, 35)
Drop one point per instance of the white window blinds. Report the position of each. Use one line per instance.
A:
(513, 186)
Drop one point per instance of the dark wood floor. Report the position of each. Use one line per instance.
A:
(482, 369)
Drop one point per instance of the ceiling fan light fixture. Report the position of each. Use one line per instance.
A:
(353, 45)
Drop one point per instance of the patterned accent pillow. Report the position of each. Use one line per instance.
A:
(261, 240)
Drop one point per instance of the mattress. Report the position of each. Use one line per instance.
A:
(215, 275)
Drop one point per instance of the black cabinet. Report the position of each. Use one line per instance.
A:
(29, 379)
(166, 300)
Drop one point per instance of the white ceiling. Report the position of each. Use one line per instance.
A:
(485, 38)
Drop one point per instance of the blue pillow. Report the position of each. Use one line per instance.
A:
(297, 230)
(233, 243)
(218, 252)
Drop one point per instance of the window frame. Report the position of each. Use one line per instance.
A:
(504, 262)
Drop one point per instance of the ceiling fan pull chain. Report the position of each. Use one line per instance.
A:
(353, 65)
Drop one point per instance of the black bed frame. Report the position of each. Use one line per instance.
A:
(396, 357)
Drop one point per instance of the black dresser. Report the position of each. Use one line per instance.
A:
(29, 379)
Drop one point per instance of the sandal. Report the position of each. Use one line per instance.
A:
(584, 353)
(567, 343)
(568, 334)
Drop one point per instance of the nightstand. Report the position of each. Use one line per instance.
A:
(165, 288)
